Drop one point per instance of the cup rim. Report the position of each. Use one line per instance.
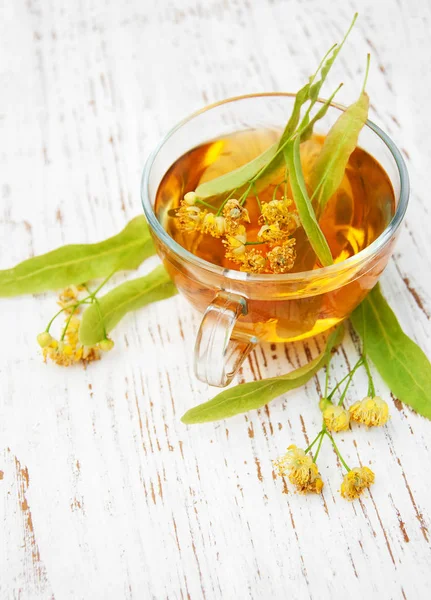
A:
(302, 276)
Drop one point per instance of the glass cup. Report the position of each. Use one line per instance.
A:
(242, 309)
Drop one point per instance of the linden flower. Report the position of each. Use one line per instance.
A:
(277, 212)
(282, 258)
(190, 217)
(70, 351)
(69, 297)
(235, 244)
(336, 418)
(190, 198)
(300, 469)
(213, 225)
(356, 481)
(253, 262)
(272, 233)
(234, 215)
(372, 412)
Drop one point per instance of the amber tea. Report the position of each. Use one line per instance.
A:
(262, 234)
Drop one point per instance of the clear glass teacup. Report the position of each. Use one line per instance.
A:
(242, 309)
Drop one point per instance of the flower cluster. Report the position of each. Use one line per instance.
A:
(277, 221)
(356, 481)
(301, 470)
(68, 350)
(372, 411)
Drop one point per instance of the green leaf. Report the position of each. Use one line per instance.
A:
(307, 132)
(77, 263)
(104, 315)
(238, 177)
(303, 204)
(328, 171)
(270, 159)
(399, 360)
(255, 394)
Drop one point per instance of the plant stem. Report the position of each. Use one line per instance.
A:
(68, 320)
(327, 376)
(343, 462)
(322, 435)
(349, 381)
(313, 442)
(358, 364)
(198, 201)
(253, 243)
(257, 198)
(371, 388)
(223, 204)
(245, 194)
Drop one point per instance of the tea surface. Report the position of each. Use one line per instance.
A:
(354, 217)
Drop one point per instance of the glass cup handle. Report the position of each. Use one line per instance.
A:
(219, 353)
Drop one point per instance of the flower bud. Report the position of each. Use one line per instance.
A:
(324, 403)
(190, 198)
(44, 339)
(106, 345)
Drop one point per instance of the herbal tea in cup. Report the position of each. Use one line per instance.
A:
(275, 232)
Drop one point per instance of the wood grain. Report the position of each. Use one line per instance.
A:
(104, 493)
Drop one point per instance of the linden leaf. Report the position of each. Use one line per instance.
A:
(77, 263)
(399, 360)
(255, 394)
(101, 317)
(328, 171)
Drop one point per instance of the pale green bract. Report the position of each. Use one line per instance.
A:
(303, 204)
(78, 263)
(328, 171)
(102, 316)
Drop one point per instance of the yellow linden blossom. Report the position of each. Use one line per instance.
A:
(213, 225)
(190, 217)
(235, 244)
(69, 297)
(356, 481)
(272, 233)
(300, 469)
(282, 258)
(372, 412)
(234, 215)
(70, 351)
(278, 212)
(253, 262)
(336, 418)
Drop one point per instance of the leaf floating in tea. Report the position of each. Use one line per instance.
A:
(328, 171)
(304, 206)
(255, 394)
(77, 263)
(399, 360)
(101, 317)
(238, 177)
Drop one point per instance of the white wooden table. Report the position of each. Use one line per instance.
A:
(105, 494)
